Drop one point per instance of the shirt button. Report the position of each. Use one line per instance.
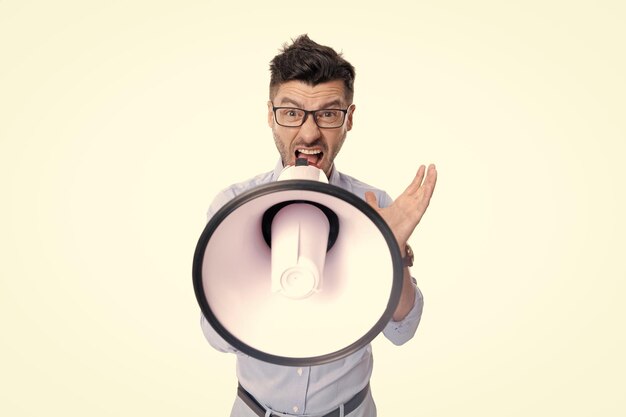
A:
(299, 371)
(295, 408)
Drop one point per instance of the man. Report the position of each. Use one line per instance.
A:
(310, 112)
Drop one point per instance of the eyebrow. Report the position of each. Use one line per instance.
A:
(329, 105)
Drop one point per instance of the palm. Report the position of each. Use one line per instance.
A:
(404, 214)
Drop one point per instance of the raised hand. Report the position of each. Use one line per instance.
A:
(404, 214)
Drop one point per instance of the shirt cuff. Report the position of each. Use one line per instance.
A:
(214, 338)
(400, 332)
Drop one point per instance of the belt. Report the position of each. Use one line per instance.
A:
(348, 406)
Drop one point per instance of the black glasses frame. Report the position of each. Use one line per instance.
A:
(306, 115)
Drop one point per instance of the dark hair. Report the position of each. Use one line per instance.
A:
(312, 63)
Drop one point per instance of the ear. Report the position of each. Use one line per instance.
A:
(349, 115)
(270, 114)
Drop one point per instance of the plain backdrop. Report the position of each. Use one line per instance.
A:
(120, 121)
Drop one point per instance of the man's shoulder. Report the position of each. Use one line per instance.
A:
(233, 190)
(355, 183)
(359, 188)
(243, 186)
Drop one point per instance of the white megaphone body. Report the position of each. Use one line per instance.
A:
(297, 272)
(299, 240)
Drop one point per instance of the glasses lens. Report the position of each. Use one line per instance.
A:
(289, 117)
(329, 118)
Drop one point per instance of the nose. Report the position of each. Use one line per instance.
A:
(309, 131)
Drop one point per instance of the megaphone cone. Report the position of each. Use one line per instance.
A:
(322, 285)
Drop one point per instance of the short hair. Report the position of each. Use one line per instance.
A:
(307, 61)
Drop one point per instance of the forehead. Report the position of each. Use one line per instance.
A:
(310, 96)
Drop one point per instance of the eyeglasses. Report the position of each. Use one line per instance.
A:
(324, 118)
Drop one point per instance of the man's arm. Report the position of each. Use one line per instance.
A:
(407, 296)
(214, 338)
(402, 216)
(210, 334)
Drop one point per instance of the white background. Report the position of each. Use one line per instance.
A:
(120, 120)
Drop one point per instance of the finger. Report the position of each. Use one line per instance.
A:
(417, 181)
(428, 186)
(370, 198)
(431, 180)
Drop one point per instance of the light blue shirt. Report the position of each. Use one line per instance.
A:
(310, 389)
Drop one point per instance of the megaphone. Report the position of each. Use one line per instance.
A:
(297, 272)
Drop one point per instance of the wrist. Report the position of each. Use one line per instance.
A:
(407, 255)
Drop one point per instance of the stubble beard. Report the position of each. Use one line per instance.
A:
(286, 155)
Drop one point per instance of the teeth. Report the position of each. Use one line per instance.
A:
(309, 151)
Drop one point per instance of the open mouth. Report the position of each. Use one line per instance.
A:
(313, 156)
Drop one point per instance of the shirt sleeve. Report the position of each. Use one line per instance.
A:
(400, 332)
(209, 332)
(214, 338)
(219, 201)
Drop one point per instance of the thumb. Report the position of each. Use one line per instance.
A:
(370, 198)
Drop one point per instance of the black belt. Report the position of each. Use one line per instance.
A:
(348, 407)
